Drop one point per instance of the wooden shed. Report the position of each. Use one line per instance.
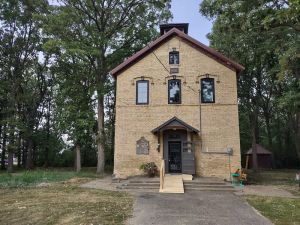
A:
(264, 158)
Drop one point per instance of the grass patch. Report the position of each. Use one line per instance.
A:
(284, 179)
(272, 177)
(281, 211)
(31, 178)
(63, 204)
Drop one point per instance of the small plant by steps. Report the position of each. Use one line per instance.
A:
(150, 169)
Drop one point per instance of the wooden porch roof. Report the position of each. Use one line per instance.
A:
(175, 123)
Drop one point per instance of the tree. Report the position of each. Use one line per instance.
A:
(260, 35)
(24, 77)
(74, 106)
(101, 33)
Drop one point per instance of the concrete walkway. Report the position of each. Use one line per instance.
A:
(194, 208)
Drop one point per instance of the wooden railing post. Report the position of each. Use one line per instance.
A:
(162, 175)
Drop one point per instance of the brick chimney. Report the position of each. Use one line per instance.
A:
(164, 28)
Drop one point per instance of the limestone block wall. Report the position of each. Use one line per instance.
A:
(218, 123)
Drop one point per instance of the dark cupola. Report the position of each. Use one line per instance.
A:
(164, 28)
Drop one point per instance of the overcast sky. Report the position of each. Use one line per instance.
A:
(187, 11)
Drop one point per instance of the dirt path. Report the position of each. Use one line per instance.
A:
(103, 183)
(265, 190)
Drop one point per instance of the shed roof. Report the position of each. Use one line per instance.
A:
(174, 123)
(184, 37)
(260, 151)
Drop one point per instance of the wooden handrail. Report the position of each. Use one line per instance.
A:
(162, 175)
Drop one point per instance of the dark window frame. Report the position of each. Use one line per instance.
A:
(174, 103)
(214, 90)
(137, 94)
(174, 52)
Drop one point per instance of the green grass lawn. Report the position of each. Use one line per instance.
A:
(34, 177)
(284, 179)
(272, 177)
(24, 201)
(281, 211)
(63, 204)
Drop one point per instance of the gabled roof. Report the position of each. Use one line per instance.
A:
(174, 123)
(260, 150)
(193, 42)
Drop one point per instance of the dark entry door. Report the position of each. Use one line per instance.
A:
(174, 156)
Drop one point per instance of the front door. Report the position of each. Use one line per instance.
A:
(174, 156)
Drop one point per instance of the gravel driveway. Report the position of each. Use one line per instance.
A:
(194, 208)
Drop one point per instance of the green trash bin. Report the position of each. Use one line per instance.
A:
(235, 179)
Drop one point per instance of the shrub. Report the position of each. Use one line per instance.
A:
(150, 169)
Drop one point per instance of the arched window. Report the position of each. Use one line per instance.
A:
(174, 91)
(207, 90)
(142, 92)
(174, 57)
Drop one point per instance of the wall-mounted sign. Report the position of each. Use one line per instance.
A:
(142, 146)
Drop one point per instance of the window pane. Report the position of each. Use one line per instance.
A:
(174, 57)
(174, 91)
(207, 90)
(142, 92)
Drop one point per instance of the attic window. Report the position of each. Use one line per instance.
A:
(174, 57)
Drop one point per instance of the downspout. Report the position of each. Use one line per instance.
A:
(200, 118)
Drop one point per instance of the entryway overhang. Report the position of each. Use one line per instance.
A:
(174, 124)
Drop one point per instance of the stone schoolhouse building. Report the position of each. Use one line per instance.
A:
(176, 100)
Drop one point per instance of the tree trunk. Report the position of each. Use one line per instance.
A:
(253, 122)
(24, 153)
(46, 163)
(100, 141)
(77, 158)
(29, 161)
(10, 160)
(0, 130)
(19, 150)
(10, 151)
(0, 139)
(269, 133)
(3, 149)
(297, 134)
(34, 155)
